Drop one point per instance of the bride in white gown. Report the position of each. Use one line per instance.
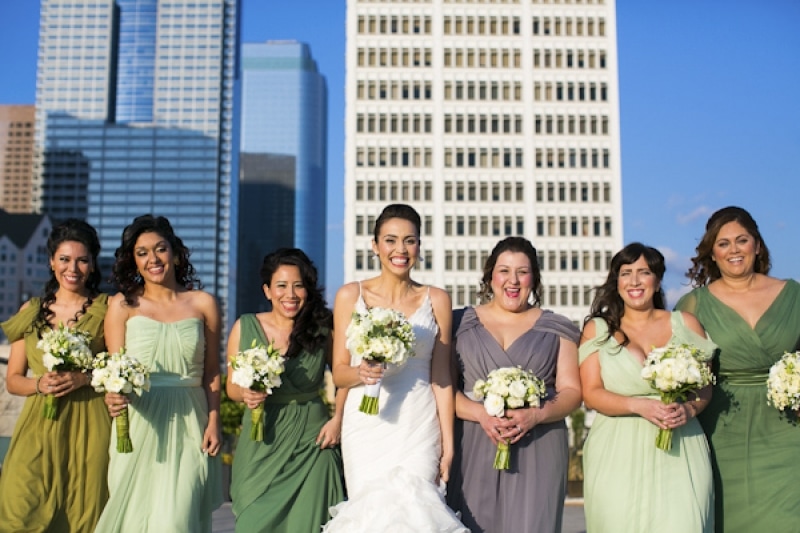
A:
(396, 462)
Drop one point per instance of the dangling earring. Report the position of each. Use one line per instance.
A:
(176, 261)
(137, 279)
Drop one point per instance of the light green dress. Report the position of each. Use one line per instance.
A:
(629, 484)
(167, 483)
(286, 483)
(755, 448)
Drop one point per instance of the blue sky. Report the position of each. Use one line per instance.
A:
(708, 98)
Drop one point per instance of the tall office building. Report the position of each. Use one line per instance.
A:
(492, 118)
(16, 158)
(283, 160)
(136, 113)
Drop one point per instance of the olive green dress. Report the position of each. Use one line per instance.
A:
(54, 475)
(286, 483)
(754, 447)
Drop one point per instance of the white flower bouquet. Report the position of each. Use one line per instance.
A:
(508, 388)
(676, 370)
(381, 335)
(258, 368)
(783, 383)
(65, 349)
(121, 373)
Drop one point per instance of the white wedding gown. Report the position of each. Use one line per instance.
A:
(391, 460)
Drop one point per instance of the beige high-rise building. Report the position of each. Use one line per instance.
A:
(16, 157)
(492, 118)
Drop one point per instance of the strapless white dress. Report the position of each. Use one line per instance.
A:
(391, 460)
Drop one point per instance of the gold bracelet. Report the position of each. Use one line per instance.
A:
(38, 392)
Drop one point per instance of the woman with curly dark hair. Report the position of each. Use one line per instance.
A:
(672, 489)
(754, 318)
(54, 475)
(171, 480)
(287, 481)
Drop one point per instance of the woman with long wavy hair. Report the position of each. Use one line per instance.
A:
(54, 475)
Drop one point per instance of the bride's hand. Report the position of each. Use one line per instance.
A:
(369, 372)
(444, 468)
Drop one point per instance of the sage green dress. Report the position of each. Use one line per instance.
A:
(629, 485)
(54, 475)
(167, 483)
(755, 448)
(286, 483)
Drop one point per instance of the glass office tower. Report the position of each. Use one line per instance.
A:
(136, 113)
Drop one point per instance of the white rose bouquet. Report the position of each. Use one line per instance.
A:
(508, 388)
(783, 383)
(382, 335)
(120, 373)
(676, 370)
(258, 368)
(65, 349)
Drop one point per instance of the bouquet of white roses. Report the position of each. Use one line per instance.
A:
(783, 383)
(258, 368)
(508, 388)
(382, 335)
(676, 370)
(65, 349)
(120, 373)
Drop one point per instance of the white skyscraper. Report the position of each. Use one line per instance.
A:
(492, 118)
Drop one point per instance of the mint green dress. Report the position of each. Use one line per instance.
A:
(754, 447)
(286, 483)
(167, 483)
(629, 485)
(54, 475)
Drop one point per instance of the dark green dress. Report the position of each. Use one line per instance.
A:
(286, 483)
(54, 475)
(755, 448)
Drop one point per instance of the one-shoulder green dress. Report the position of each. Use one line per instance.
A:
(54, 475)
(286, 483)
(755, 448)
(167, 483)
(631, 486)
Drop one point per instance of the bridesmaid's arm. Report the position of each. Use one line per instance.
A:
(596, 396)
(212, 437)
(250, 398)
(567, 398)
(114, 326)
(331, 432)
(694, 406)
(442, 378)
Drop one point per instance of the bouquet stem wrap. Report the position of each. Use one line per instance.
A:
(664, 436)
(369, 403)
(124, 444)
(257, 423)
(50, 409)
(502, 458)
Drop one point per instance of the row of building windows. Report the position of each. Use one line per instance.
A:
(483, 123)
(573, 295)
(482, 57)
(394, 57)
(405, 25)
(569, 58)
(555, 26)
(481, 26)
(395, 191)
(483, 90)
(583, 226)
(573, 191)
(484, 191)
(483, 158)
(394, 123)
(394, 90)
(572, 158)
(394, 157)
(571, 125)
(570, 91)
(484, 226)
